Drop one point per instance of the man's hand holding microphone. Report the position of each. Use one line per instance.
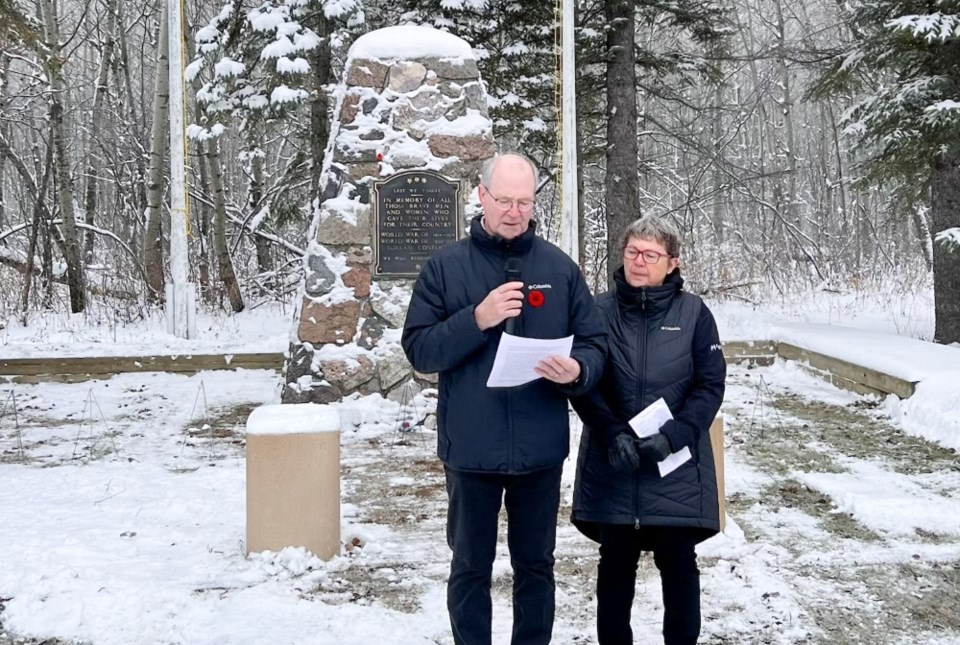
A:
(501, 304)
(505, 303)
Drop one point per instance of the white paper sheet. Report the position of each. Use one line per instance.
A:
(648, 422)
(517, 356)
(674, 461)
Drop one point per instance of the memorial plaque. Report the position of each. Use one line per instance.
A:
(416, 212)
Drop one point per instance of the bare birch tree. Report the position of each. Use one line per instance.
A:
(94, 159)
(224, 264)
(159, 135)
(4, 133)
(61, 167)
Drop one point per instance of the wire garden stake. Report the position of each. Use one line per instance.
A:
(11, 402)
(200, 400)
(408, 415)
(87, 418)
(757, 420)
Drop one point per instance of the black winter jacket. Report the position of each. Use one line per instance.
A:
(663, 342)
(504, 430)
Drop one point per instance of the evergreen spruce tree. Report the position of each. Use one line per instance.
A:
(259, 60)
(15, 26)
(267, 70)
(256, 56)
(906, 62)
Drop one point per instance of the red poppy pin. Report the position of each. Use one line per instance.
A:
(535, 298)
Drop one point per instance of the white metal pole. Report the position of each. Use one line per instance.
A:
(181, 299)
(570, 214)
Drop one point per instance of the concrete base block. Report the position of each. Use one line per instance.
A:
(716, 441)
(293, 479)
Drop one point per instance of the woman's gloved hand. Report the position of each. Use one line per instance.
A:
(654, 448)
(622, 452)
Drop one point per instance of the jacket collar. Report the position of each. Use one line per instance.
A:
(651, 299)
(496, 244)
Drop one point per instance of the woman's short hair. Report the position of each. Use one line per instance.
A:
(651, 227)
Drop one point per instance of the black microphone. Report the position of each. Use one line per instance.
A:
(511, 273)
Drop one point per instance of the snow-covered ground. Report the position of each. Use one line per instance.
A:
(124, 506)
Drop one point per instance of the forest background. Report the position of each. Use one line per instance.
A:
(799, 147)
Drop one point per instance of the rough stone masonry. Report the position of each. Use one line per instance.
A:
(411, 98)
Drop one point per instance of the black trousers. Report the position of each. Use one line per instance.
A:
(532, 501)
(675, 557)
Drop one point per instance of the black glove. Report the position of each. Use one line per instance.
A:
(654, 448)
(622, 452)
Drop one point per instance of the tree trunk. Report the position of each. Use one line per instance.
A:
(945, 213)
(788, 144)
(200, 207)
(758, 218)
(581, 209)
(153, 230)
(264, 259)
(4, 132)
(621, 194)
(255, 196)
(225, 265)
(719, 181)
(841, 179)
(924, 239)
(38, 223)
(61, 167)
(94, 164)
(321, 76)
(125, 84)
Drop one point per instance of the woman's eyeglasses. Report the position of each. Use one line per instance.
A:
(650, 257)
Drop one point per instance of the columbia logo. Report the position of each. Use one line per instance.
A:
(666, 328)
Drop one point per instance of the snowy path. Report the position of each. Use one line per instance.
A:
(842, 529)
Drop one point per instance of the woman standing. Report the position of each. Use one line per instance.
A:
(663, 342)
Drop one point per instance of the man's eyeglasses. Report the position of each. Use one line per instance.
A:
(504, 204)
(650, 257)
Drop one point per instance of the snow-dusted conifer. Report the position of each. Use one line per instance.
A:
(260, 62)
(904, 59)
(255, 62)
(16, 25)
(909, 120)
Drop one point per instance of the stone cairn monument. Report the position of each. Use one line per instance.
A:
(408, 140)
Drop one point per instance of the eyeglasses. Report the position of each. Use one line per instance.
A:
(504, 204)
(650, 257)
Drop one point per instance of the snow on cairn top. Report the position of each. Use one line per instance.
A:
(410, 42)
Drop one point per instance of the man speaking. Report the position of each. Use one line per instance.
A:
(502, 444)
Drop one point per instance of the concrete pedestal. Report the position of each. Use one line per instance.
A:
(293, 479)
(716, 442)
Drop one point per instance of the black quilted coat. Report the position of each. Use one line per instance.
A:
(663, 342)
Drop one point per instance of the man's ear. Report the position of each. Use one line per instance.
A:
(674, 264)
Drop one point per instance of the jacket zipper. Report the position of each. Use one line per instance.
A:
(642, 363)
